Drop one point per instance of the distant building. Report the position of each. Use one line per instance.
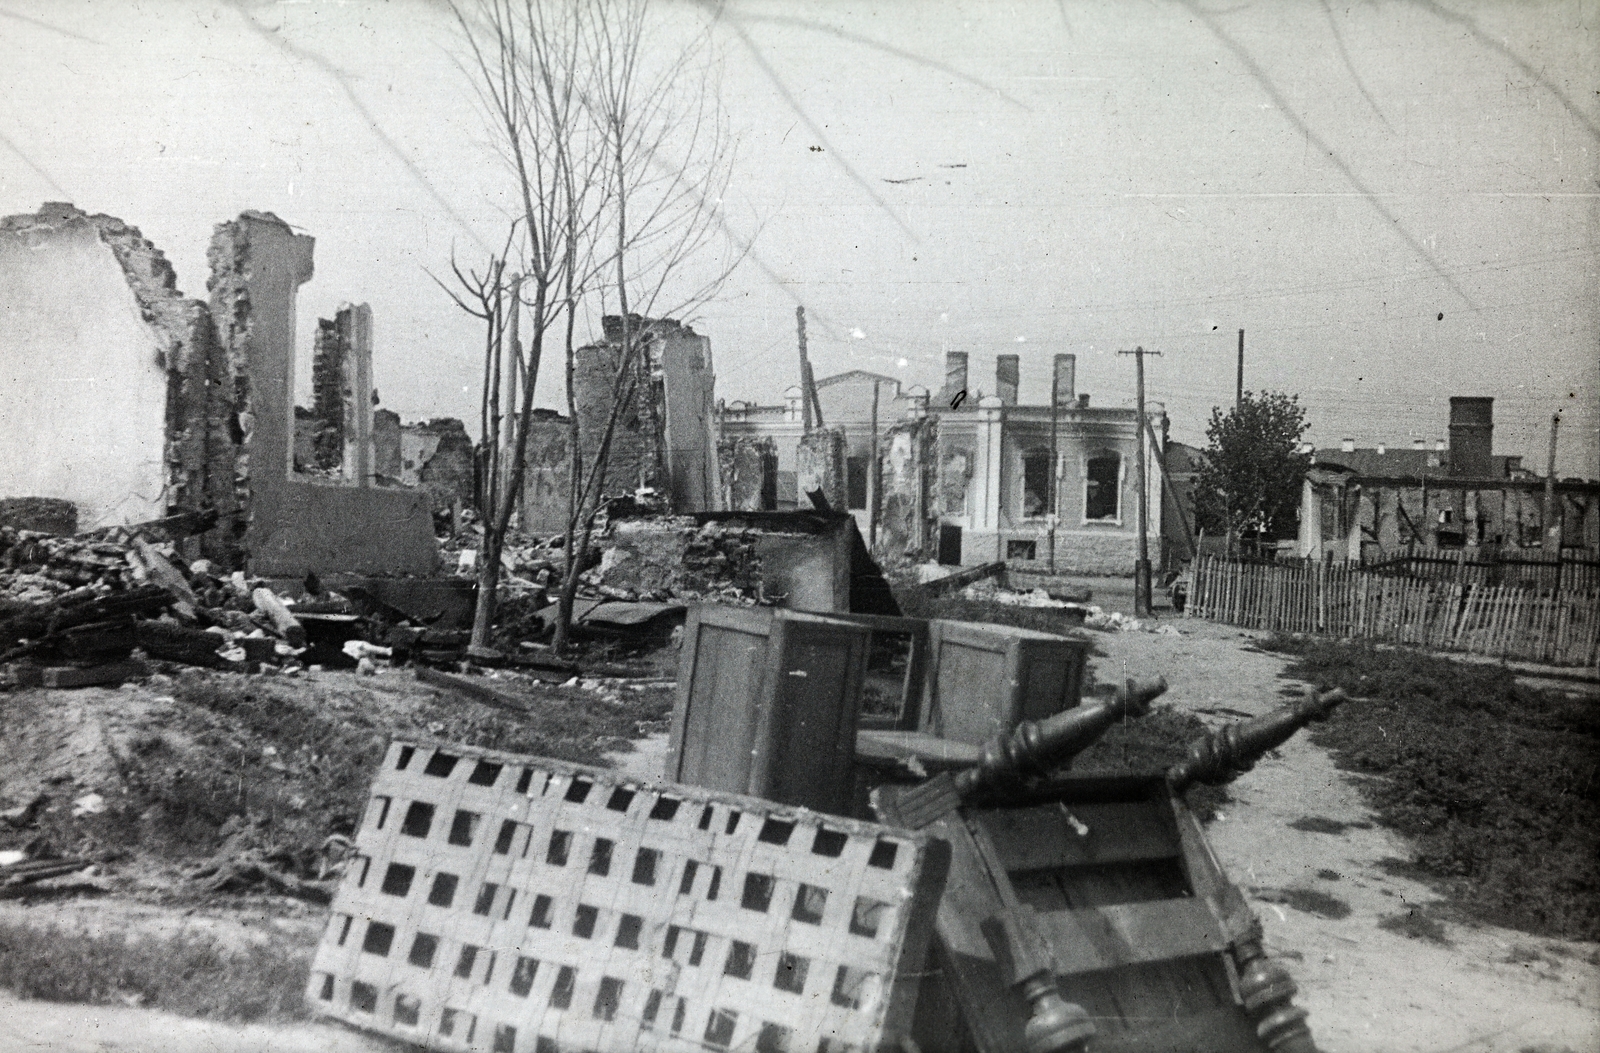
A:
(973, 482)
(1362, 504)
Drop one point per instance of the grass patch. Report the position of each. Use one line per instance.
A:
(1415, 924)
(1497, 784)
(185, 975)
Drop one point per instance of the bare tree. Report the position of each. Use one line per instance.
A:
(620, 157)
(523, 58)
(666, 162)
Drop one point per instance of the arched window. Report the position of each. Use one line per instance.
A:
(1102, 490)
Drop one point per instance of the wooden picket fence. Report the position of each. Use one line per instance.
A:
(1488, 566)
(1559, 627)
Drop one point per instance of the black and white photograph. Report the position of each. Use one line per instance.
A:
(766, 526)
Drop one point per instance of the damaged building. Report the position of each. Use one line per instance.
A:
(968, 480)
(1367, 504)
(132, 401)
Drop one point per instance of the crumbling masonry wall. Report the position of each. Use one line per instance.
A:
(819, 465)
(749, 471)
(109, 402)
(907, 470)
(437, 458)
(665, 436)
(295, 526)
(547, 474)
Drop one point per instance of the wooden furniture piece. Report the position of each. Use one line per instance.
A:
(1089, 912)
(985, 679)
(767, 705)
(514, 904)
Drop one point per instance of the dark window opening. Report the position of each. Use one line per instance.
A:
(1100, 488)
(855, 473)
(443, 892)
(1036, 483)
(1022, 550)
(379, 937)
(418, 820)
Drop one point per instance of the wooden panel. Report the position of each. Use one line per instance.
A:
(580, 911)
(1148, 965)
(1131, 934)
(985, 679)
(1043, 835)
(1051, 676)
(720, 684)
(805, 752)
(972, 686)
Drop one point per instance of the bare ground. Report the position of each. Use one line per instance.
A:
(1297, 837)
(1305, 848)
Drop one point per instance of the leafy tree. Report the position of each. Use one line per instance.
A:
(1251, 477)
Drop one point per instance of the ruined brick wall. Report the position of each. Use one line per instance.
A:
(438, 457)
(327, 388)
(386, 446)
(632, 461)
(906, 472)
(258, 264)
(820, 465)
(161, 439)
(547, 475)
(749, 471)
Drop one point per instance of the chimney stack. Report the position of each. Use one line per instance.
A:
(1472, 437)
(1348, 446)
(1007, 374)
(955, 377)
(1382, 449)
(1066, 379)
(1419, 444)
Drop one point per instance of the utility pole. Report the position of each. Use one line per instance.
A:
(1552, 523)
(872, 477)
(805, 369)
(1238, 382)
(1050, 486)
(1141, 568)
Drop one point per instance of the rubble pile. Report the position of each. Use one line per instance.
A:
(95, 601)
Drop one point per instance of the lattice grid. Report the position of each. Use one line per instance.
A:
(510, 903)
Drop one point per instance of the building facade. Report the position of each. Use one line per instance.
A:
(968, 481)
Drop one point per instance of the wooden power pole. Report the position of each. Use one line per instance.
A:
(805, 369)
(1141, 567)
(1238, 378)
(1552, 522)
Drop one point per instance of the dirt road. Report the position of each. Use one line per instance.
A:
(1369, 990)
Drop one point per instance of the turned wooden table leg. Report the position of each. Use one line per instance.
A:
(1268, 992)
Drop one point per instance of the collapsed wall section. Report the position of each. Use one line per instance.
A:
(749, 470)
(110, 402)
(294, 526)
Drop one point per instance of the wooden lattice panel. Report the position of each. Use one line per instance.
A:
(509, 903)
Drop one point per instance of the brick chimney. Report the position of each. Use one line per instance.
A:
(1472, 437)
(1007, 375)
(1066, 379)
(955, 377)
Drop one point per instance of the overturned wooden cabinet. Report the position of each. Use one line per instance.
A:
(767, 705)
(983, 680)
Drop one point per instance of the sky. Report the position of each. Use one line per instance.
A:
(1397, 201)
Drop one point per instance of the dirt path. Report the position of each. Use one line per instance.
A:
(1369, 990)
(45, 1027)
